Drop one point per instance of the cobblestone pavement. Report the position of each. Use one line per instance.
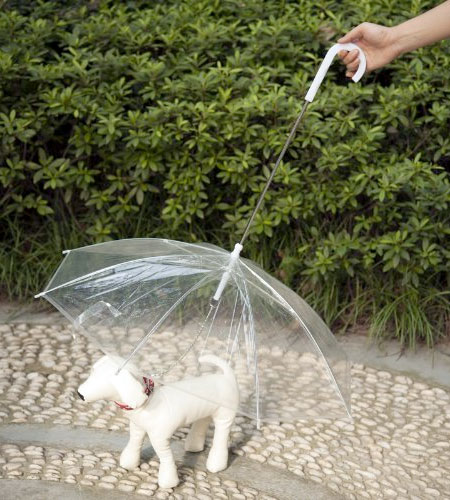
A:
(397, 447)
(100, 469)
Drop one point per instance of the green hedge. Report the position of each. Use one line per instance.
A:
(123, 119)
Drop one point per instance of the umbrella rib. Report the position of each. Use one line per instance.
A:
(241, 295)
(161, 320)
(151, 291)
(305, 327)
(135, 279)
(232, 319)
(252, 346)
(130, 279)
(209, 330)
(93, 273)
(172, 242)
(132, 294)
(231, 349)
(220, 250)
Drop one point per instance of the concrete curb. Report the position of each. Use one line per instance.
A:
(12, 489)
(429, 365)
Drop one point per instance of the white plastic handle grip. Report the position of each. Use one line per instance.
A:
(326, 63)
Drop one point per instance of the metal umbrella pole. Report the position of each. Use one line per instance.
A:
(274, 171)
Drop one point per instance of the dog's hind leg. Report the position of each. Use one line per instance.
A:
(195, 440)
(131, 454)
(218, 455)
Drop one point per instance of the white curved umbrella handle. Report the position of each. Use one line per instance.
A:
(326, 63)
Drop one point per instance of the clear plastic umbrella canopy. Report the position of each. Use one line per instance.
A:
(157, 305)
(150, 303)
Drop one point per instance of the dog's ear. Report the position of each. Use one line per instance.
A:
(130, 390)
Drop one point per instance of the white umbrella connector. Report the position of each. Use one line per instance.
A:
(226, 275)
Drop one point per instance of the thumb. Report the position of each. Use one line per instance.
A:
(352, 35)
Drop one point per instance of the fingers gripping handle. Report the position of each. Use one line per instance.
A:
(326, 63)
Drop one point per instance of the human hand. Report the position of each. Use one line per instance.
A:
(377, 42)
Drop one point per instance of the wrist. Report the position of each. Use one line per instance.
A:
(399, 40)
(411, 35)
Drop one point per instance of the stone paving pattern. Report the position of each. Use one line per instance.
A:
(397, 447)
(101, 469)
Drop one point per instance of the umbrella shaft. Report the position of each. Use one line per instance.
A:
(274, 171)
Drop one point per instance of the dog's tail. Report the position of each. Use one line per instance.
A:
(210, 359)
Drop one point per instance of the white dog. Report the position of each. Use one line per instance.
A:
(160, 411)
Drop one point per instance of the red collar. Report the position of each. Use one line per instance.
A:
(149, 385)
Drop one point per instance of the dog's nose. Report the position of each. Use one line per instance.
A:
(81, 395)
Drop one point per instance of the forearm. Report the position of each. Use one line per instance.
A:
(425, 29)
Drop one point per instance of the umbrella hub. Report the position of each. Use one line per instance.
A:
(234, 257)
(149, 385)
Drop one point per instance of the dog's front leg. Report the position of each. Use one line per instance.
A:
(131, 454)
(168, 475)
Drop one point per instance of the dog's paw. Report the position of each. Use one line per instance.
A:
(168, 476)
(217, 460)
(129, 461)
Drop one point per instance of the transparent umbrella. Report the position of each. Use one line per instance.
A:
(160, 304)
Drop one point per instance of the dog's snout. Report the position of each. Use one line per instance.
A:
(80, 395)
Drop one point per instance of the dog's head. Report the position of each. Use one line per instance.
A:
(105, 383)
